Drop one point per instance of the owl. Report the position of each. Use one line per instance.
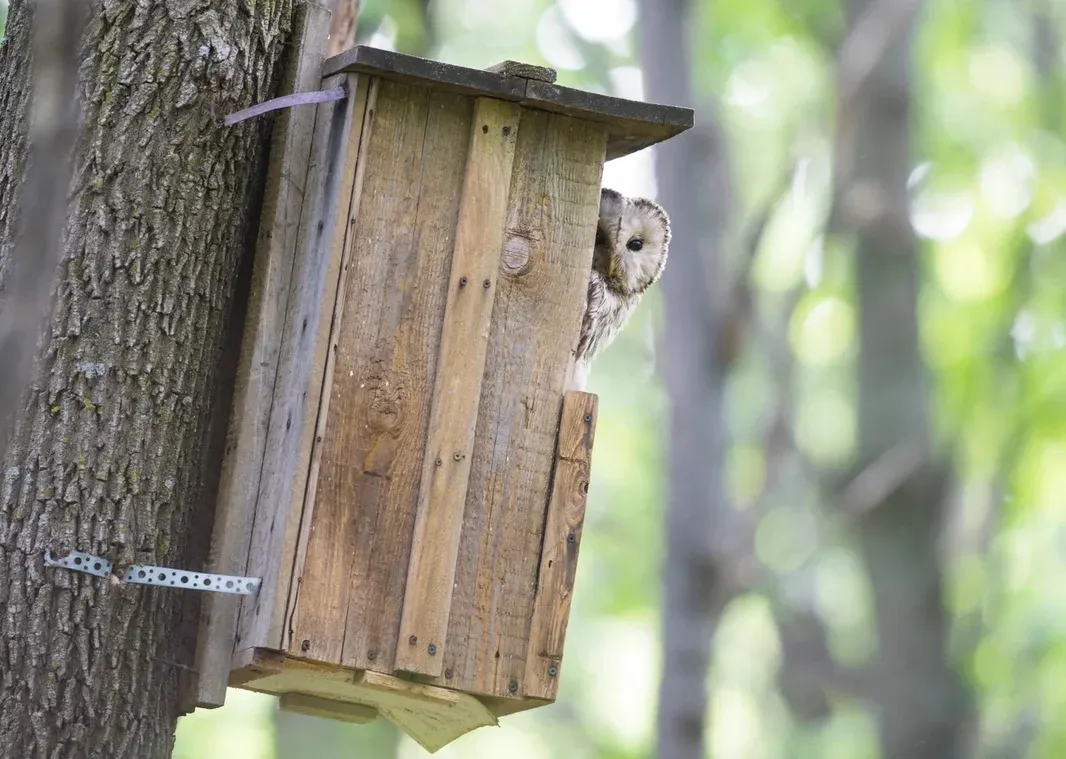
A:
(632, 238)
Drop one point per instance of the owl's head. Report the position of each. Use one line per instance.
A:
(632, 239)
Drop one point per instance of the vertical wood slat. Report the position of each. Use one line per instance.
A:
(377, 594)
(562, 541)
(301, 364)
(287, 171)
(358, 138)
(479, 239)
(351, 584)
(551, 227)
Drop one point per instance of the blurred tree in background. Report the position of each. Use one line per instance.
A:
(885, 317)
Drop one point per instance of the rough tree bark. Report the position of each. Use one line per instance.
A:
(920, 701)
(691, 175)
(114, 444)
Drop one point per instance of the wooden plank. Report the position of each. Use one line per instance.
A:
(313, 706)
(562, 541)
(632, 125)
(359, 138)
(479, 237)
(302, 359)
(351, 587)
(271, 279)
(423, 72)
(555, 192)
(433, 717)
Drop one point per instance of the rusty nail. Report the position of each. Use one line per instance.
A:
(432, 649)
(439, 462)
(486, 284)
(305, 645)
(553, 671)
(413, 639)
(463, 281)
(513, 686)
(588, 418)
(570, 538)
(371, 655)
(448, 674)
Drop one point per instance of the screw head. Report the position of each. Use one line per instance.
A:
(305, 645)
(588, 418)
(584, 487)
(553, 671)
(458, 455)
(448, 674)
(413, 640)
(463, 281)
(570, 538)
(432, 649)
(513, 686)
(486, 284)
(371, 655)
(438, 462)
(506, 131)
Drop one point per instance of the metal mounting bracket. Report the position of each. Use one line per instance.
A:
(162, 576)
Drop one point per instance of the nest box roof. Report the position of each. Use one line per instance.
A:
(632, 125)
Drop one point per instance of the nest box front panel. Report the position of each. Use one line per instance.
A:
(464, 275)
(387, 337)
(554, 202)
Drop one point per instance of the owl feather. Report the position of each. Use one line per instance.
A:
(632, 240)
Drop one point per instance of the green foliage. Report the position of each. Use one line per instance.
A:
(989, 203)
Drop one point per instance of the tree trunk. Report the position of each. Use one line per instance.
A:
(920, 701)
(691, 175)
(342, 26)
(115, 445)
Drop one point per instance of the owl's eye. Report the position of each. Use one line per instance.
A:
(635, 244)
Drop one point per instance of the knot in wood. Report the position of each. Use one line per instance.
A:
(517, 252)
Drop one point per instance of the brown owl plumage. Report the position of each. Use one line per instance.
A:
(632, 239)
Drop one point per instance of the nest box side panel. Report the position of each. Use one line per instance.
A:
(547, 254)
(350, 589)
(301, 362)
(457, 388)
(283, 200)
(562, 541)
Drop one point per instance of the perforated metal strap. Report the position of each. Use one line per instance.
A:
(148, 575)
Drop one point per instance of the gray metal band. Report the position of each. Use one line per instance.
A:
(162, 576)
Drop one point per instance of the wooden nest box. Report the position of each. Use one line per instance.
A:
(405, 470)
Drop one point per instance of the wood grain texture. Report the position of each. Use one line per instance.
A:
(562, 541)
(432, 716)
(554, 205)
(264, 323)
(479, 237)
(315, 706)
(351, 588)
(301, 363)
(359, 136)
